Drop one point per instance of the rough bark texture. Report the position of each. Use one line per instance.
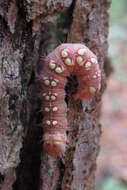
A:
(29, 30)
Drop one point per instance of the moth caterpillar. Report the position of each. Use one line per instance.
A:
(59, 64)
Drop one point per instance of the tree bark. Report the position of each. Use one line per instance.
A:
(29, 30)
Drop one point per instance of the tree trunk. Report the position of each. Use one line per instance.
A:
(29, 30)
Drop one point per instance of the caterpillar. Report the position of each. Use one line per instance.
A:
(58, 65)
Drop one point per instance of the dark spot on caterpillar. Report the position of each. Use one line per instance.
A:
(79, 64)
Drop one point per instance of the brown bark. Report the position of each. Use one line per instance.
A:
(29, 30)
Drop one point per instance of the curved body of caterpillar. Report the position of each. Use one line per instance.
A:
(60, 63)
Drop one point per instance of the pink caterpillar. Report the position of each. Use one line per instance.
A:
(58, 65)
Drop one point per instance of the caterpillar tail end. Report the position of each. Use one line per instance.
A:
(55, 149)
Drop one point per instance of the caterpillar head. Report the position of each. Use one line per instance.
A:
(54, 143)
